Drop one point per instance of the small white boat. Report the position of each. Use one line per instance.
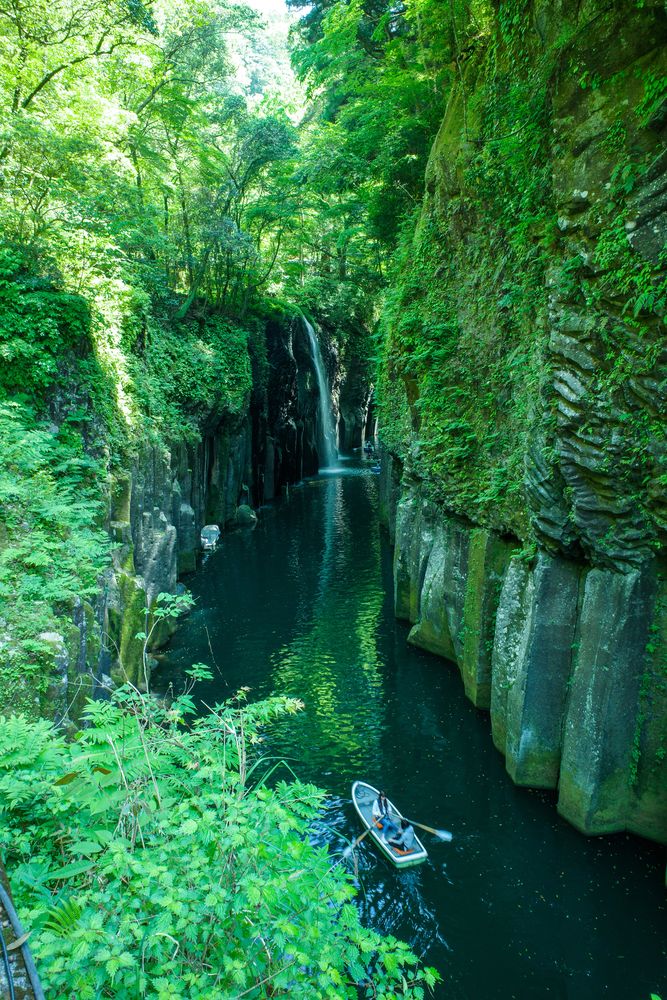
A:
(209, 536)
(363, 797)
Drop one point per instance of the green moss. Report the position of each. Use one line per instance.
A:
(465, 381)
(433, 636)
(537, 769)
(124, 627)
(477, 685)
(487, 563)
(649, 752)
(120, 375)
(461, 350)
(79, 682)
(121, 496)
(595, 807)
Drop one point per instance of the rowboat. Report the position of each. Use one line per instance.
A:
(363, 797)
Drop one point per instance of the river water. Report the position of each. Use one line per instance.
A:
(519, 906)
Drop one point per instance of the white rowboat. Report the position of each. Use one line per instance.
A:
(363, 797)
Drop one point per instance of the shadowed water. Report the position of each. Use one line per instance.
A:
(519, 906)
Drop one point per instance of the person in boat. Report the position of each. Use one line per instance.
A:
(406, 838)
(382, 816)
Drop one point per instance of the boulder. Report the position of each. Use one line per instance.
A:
(245, 516)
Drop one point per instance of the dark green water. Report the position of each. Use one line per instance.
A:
(519, 905)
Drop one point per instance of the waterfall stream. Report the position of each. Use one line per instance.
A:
(329, 452)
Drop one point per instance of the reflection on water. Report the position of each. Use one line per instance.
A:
(519, 905)
(332, 661)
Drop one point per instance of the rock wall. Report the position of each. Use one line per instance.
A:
(286, 420)
(567, 658)
(525, 397)
(158, 510)
(355, 408)
(601, 491)
(158, 506)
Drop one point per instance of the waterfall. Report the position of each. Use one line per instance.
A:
(329, 453)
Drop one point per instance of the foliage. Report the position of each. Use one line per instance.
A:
(377, 76)
(51, 548)
(459, 320)
(192, 371)
(136, 179)
(464, 378)
(40, 324)
(129, 151)
(154, 859)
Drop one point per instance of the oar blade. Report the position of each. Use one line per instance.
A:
(443, 835)
(350, 847)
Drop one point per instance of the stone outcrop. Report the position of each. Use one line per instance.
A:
(355, 407)
(77, 658)
(602, 492)
(603, 725)
(532, 662)
(158, 510)
(285, 422)
(568, 658)
(161, 505)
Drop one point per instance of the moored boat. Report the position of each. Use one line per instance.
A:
(363, 797)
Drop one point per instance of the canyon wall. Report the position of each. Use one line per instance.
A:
(524, 480)
(159, 504)
(566, 657)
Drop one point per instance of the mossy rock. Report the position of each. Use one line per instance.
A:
(124, 624)
(245, 516)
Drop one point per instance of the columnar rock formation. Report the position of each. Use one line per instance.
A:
(564, 655)
(549, 590)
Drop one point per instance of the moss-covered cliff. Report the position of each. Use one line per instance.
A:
(523, 389)
(123, 432)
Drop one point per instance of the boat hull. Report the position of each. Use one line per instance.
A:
(363, 796)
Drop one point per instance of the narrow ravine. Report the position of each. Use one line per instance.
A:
(520, 905)
(241, 241)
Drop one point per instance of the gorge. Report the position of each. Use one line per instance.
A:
(232, 258)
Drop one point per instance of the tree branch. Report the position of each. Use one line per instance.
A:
(99, 51)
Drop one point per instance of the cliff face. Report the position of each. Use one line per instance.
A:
(159, 505)
(525, 480)
(158, 510)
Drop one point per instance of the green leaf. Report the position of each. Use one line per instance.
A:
(69, 871)
(85, 847)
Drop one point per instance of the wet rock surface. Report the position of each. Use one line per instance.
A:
(604, 491)
(568, 658)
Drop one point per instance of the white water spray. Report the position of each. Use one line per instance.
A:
(329, 453)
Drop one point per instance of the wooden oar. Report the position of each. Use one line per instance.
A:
(350, 847)
(440, 834)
